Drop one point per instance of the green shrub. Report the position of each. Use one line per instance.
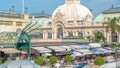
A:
(99, 61)
(6, 61)
(0, 62)
(53, 59)
(39, 60)
(68, 58)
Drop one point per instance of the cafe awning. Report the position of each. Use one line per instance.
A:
(84, 51)
(10, 50)
(56, 48)
(78, 46)
(66, 47)
(42, 49)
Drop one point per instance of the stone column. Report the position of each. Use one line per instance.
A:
(105, 35)
(43, 35)
(55, 35)
(118, 36)
(109, 36)
(76, 33)
(73, 33)
(64, 34)
(52, 35)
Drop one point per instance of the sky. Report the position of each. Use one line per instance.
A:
(36, 6)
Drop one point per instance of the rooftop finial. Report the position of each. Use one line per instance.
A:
(26, 10)
(42, 11)
(112, 6)
(9, 10)
(13, 8)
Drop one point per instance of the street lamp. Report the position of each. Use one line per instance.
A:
(23, 6)
(116, 55)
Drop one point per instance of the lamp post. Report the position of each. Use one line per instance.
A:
(23, 6)
(116, 55)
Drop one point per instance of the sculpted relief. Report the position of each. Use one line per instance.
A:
(58, 14)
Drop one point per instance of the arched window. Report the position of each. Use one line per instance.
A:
(59, 31)
(41, 35)
(49, 36)
(70, 34)
(114, 36)
(80, 33)
(18, 30)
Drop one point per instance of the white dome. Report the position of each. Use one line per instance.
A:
(73, 11)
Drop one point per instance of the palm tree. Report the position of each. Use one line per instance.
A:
(111, 25)
(98, 36)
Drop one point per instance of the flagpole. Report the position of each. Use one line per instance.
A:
(23, 6)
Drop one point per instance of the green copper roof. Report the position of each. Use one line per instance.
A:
(40, 15)
(1, 22)
(100, 18)
(32, 26)
(112, 10)
(42, 21)
(39, 22)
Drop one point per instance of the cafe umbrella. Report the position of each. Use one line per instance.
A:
(19, 64)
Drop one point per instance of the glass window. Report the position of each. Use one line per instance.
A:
(1, 23)
(8, 23)
(70, 22)
(80, 33)
(37, 36)
(70, 34)
(18, 23)
(18, 30)
(79, 22)
(49, 35)
(114, 37)
(41, 36)
(59, 31)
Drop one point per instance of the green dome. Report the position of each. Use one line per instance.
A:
(100, 18)
(42, 21)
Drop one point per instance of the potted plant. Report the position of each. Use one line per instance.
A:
(99, 61)
(53, 59)
(0, 62)
(68, 58)
(39, 60)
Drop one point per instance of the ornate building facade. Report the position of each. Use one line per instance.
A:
(73, 20)
(70, 22)
(11, 23)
